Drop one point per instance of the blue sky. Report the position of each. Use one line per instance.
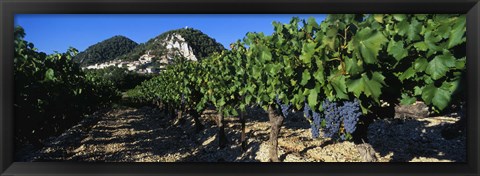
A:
(56, 32)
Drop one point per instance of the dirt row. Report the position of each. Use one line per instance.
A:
(146, 135)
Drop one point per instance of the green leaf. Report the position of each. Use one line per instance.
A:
(438, 96)
(311, 21)
(330, 39)
(340, 86)
(233, 112)
(312, 98)
(265, 54)
(407, 100)
(248, 98)
(460, 64)
(353, 65)
(417, 91)
(293, 82)
(298, 99)
(444, 30)
(397, 49)
(421, 16)
(308, 50)
(421, 46)
(288, 70)
(275, 69)
(370, 87)
(221, 102)
(378, 17)
(305, 77)
(439, 65)
(318, 75)
(367, 43)
(332, 32)
(399, 17)
(451, 86)
(50, 75)
(407, 74)
(257, 71)
(411, 30)
(420, 64)
(432, 41)
(458, 32)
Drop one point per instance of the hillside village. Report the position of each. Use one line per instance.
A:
(143, 65)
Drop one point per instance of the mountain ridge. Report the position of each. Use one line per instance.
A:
(106, 50)
(159, 51)
(201, 44)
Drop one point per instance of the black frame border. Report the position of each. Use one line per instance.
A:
(8, 8)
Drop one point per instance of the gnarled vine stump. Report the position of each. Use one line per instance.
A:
(276, 121)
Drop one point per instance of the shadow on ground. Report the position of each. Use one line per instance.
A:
(409, 140)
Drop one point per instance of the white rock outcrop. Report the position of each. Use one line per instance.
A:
(176, 44)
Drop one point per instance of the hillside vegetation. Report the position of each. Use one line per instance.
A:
(106, 50)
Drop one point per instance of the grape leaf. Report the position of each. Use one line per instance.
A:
(308, 50)
(407, 100)
(407, 74)
(399, 17)
(432, 40)
(421, 46)
(50, 75)
(439, 65)
(458, 31)
(340, 86)
(305, 77)
(265, 54)
(378, 17)
(438, 96)
(312, 98)
(370, 87)
(367, 43)
(411, 30)
(353, 65)
(420, 64)
(397, 49)
(318, 75)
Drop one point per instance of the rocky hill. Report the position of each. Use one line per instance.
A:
(106, 50)
(156, 53)
(190, 43)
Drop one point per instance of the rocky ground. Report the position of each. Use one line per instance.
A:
(145, 135)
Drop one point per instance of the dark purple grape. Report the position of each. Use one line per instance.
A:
(332, 119)
(316, 124)
(306, 110)
(283, 107)
(315, 130)
(350, 112)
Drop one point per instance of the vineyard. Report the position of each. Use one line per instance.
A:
(334, 78)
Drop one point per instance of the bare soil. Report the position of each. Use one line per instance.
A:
(147, 135)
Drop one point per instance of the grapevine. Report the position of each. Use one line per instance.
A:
(336, 71)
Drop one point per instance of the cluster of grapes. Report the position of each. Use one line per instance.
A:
(334, 115)
(316, 124)
(332, 118)
(284, 107)
(350, 111)
(306, 110)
